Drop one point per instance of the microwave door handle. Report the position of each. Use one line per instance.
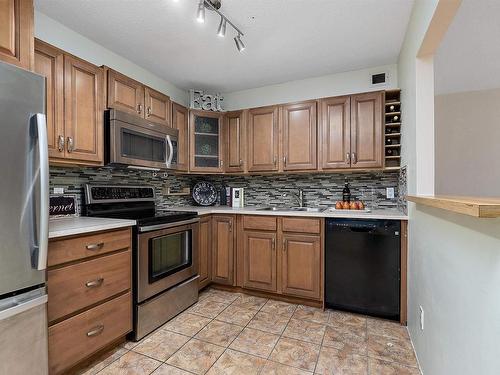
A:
(171, 153)
(41, 248)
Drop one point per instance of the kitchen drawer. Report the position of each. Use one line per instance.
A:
(259, 222)
(80, 285)
(78, 337)
(301, 225)
(71, 249)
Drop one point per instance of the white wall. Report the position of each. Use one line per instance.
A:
(454, 275)
(311, 88)
(453, 260)
(55, 33)
(467, 127)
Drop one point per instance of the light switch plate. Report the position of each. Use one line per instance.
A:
(389, 192)
(58, 190)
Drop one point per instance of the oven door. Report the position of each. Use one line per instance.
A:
(166, 257)
(136, 146)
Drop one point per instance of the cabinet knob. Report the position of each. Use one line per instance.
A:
(96, 331)
(241, 162)
(148, 111)
(60, 143)
(94, 283)
(348, 158)
(354, 158)
(95, 246)
(71, 144)
(284, 160)
(139, 108)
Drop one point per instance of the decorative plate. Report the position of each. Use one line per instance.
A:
(204, 193)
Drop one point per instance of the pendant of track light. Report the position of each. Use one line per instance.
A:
(221, 31)
(215, 5)
(200, 14)
(239, 43)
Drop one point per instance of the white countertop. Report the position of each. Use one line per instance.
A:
(69, 226)
(387, 214)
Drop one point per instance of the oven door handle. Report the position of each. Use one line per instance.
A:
(150, 228)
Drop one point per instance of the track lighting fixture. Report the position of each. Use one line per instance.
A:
(222, 28)
(239, 43)
(200, 16)
(221, 31)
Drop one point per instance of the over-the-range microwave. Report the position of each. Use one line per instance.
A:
(137, 143)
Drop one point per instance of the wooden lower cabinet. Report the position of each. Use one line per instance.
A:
(259, 260)
(90, 299)
(301, 266)
(205, 251)
(223, 245)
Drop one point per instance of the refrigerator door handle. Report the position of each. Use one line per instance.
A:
(22, 306)
(43, 231)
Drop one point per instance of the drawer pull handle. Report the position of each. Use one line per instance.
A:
(94, 283)
(96, 331)
(95, 246)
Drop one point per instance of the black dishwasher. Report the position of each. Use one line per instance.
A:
(362, 266)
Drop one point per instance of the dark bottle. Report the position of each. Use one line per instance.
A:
(389, 152)
(388, 141)
(346, 193)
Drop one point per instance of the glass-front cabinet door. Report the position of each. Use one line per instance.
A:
(206, 141)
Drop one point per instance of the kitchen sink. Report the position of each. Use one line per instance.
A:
(292, 209)
(308, 209)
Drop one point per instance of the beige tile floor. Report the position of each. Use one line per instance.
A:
(233, 333)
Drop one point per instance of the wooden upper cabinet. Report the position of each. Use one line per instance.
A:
(263, 139)
(180, 121)
(124, 93)
(301, 266)
(259, 260)
(298, 124)
(235, 141)
(157, 107)
(206, 142)
(366, 130)
(223, 246)
(16, 33)
(49, 62)
(205, 251)
(83, 104)
(335, 133)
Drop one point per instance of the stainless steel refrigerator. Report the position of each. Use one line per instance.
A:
(24, 200)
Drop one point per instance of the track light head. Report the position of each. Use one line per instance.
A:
(239, 43)
(221, 31)
(200, 15)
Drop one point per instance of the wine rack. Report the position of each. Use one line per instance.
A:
(392, 129)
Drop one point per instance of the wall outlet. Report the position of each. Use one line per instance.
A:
(421, 318)
(389, 193)
(58, 190)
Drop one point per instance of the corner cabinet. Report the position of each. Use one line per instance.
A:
(263, 139)
(206, 142)
(16, 32)
(74, 106)
(180, 121)
(128, 95)
(223, 246)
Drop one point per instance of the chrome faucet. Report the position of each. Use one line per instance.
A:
(299, 197)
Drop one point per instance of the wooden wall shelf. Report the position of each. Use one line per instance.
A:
(472, 206)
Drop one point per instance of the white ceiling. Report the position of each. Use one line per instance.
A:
(285, 39)
(469, 57)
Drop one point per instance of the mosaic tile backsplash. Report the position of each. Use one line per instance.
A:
(260, 190)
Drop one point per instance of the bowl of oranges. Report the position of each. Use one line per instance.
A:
(351, 206)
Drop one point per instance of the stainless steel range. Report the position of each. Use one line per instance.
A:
(165, 252)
